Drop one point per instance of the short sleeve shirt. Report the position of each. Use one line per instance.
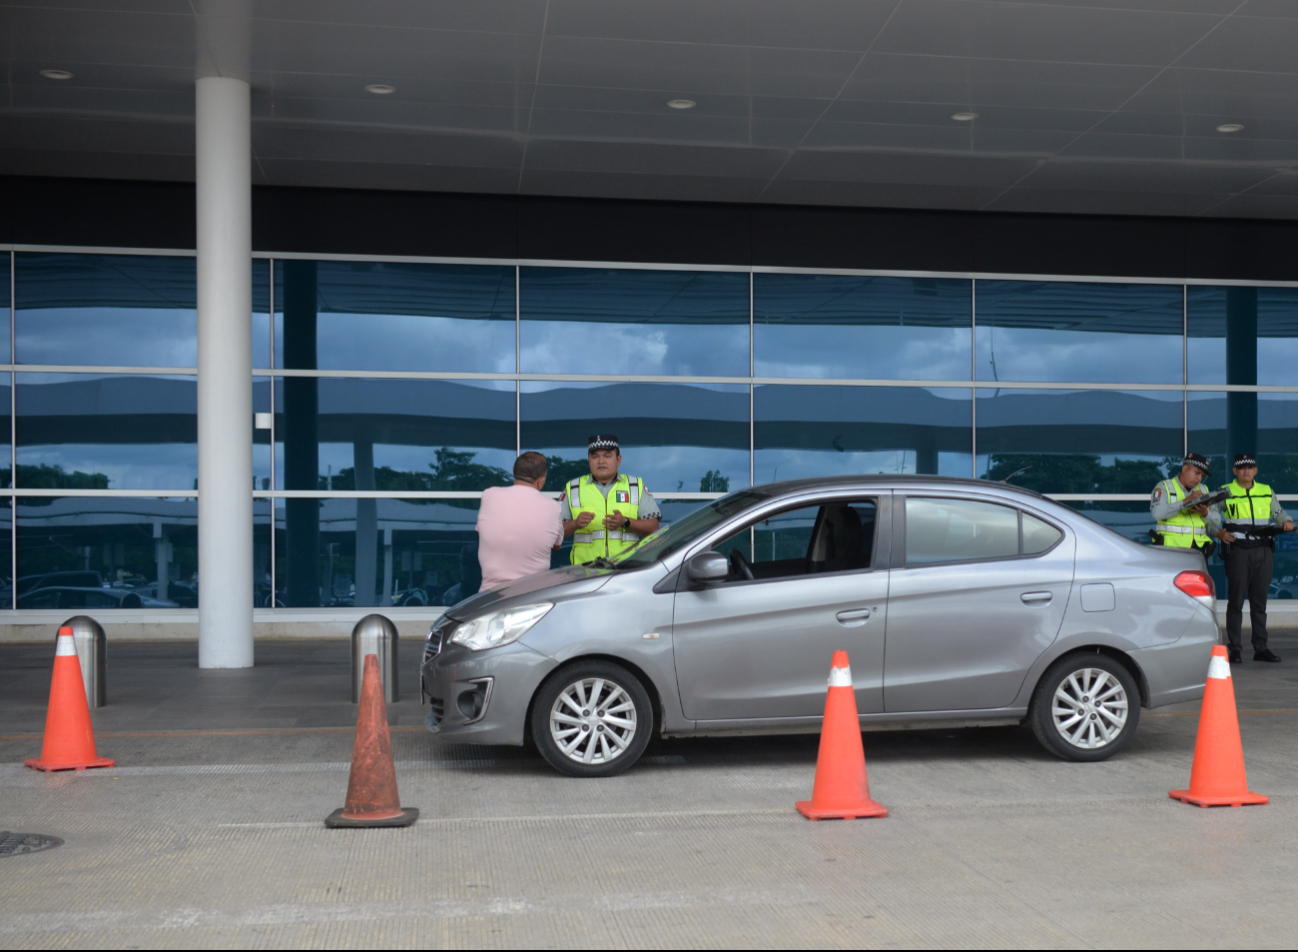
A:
(517, 529)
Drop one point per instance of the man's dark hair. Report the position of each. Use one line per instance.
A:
(530, 466)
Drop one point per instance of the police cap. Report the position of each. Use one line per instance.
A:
(1198, 462)
(602, 441)
(1245, 459)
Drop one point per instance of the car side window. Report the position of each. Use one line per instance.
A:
(959, 530)
(809, 540)
(1038, 535)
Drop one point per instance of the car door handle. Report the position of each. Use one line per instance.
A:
(1030, 598)
(856, 616)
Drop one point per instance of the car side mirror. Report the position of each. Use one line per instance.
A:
(707, 567)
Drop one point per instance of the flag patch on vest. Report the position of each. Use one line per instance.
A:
(621, 495)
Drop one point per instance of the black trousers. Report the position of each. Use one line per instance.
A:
(1248, 573)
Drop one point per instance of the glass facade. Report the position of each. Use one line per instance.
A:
(389, 394)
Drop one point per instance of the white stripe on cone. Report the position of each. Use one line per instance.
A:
(840, 677)
(1218, 667)
(65, 647)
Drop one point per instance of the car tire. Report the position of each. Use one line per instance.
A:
(1065, 716)
(579, 732)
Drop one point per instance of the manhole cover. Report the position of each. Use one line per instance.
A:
(12, 844)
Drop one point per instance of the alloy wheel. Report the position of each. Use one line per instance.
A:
(1090, 708)
(593, 721)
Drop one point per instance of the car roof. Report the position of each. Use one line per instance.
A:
(891, 481)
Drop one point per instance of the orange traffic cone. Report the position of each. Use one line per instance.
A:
(69, 739)
(1217, 778)
(372, 798)
(842, 789)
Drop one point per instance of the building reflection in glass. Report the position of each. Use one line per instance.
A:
(382, 552)
(85, 552)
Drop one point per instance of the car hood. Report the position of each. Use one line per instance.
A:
(556, 583)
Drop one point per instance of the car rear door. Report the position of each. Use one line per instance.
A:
(762, 648)
(978, 590)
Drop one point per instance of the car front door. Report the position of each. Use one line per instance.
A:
(979, 593)
(761, 647)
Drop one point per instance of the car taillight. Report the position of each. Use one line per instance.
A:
(1198, 585)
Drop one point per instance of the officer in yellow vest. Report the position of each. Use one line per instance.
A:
(1239, 522)
(607, 511)
(1178, 526)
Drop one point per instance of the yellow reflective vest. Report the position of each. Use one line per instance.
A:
(1246, 508)
(594, 540)
(1185, 530)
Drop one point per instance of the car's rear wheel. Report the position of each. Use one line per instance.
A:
(592, 719)
(1086, 707)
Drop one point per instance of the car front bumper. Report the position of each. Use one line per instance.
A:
(482, 697)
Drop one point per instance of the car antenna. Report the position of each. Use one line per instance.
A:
(1017, 472)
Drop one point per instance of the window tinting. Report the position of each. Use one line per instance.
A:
(105, 310)
(621, 321)
(106, 431)
(802, 431)
(676, 437)
(958, 530)
(401, 435)
(1079, 441)
(841, 326)
(1038, 535)
(376, 552)
(1242, 335)
(363, 315)
(1062, 332)
(1223, 424)
(107, 552)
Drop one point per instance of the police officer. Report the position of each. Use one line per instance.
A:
(607, 511)
(1237, 521)
(1179, 527)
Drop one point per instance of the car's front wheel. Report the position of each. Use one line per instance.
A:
(1086, 707)
(592, 719)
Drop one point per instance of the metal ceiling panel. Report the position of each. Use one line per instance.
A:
(1082, 105)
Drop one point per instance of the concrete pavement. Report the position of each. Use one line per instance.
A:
(209, 832)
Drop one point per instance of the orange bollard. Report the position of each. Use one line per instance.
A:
(842, 789)
(69, 742)
(1217, 778)
(372, 798)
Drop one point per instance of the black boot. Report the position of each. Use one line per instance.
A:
(1234, 655)
(1266, 654)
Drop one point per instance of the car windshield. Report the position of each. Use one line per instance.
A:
(684, 531)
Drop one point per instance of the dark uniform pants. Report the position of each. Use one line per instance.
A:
(1248, 573)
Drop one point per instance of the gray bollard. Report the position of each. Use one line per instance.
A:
(375, 635)
(92, 655)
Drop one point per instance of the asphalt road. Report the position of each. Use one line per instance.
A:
(209, 832)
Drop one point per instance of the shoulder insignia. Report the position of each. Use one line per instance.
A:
(1158, 493)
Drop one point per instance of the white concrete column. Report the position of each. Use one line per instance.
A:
(224, 188)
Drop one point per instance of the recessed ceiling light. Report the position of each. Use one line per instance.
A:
(681, 103)
(964, 116)
(1230, 127)
(380, 89)
(56, 74)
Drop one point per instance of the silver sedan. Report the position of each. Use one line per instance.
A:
(960, 603)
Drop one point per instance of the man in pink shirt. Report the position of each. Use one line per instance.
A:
(518, 528)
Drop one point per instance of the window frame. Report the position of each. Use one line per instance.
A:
(899, 531)
(882, 500)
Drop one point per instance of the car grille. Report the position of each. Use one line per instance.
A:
(439, 711)
(437, 636)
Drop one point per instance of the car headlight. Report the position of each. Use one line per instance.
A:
(499, 628)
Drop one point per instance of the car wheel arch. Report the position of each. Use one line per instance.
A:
(1117, 654)
(655, 696)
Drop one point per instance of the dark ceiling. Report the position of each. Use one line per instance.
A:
(1084, 106)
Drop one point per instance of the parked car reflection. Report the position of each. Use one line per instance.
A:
(70, 596)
